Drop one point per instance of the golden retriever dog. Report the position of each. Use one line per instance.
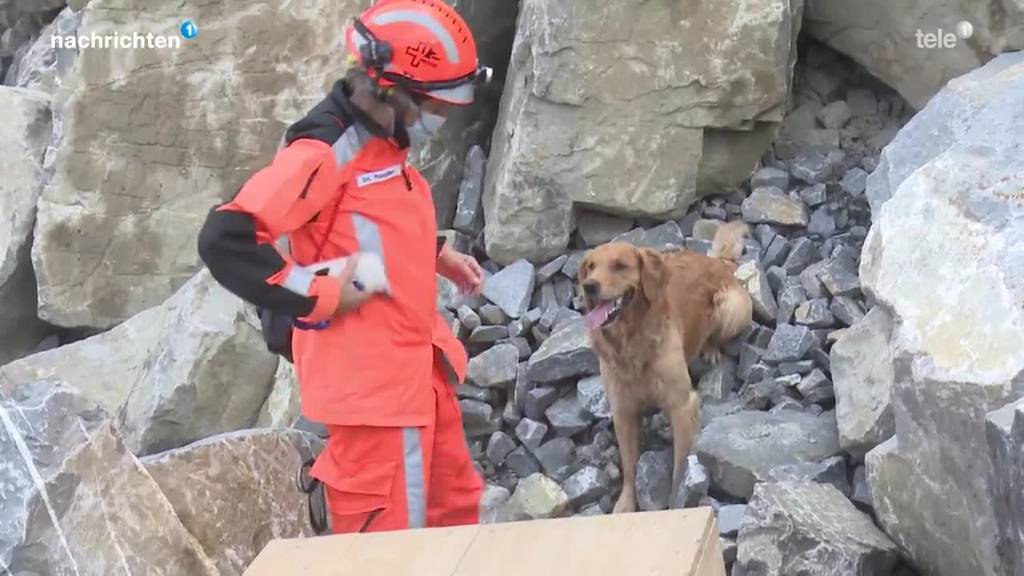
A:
(648, 315)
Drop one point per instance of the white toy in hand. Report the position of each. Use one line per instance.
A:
(370, 274)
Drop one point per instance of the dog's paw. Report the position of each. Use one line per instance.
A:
(711, 355)
(625, 505)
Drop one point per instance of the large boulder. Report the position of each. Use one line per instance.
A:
(45, 64)
(152, 138)
(809, 529)
(1006, 439)
(104, 514)
(445, 160)
(41, 425)
(862, 371)
(24, 135)
(957, 224)
(281, 410)
(741, 449)
(206, 481)
(191, 368)
(632, 108)
(891, 39)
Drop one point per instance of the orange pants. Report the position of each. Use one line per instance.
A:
(378, 479)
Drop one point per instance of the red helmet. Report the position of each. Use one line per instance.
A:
(422, 45)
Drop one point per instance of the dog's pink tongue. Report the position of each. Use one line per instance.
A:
(596, 317)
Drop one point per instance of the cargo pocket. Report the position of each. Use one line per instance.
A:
(357, 492)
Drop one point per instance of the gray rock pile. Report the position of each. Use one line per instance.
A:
(535, 405)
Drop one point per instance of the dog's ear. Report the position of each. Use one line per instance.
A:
(652, 272)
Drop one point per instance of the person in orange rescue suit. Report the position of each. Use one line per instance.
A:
(377, 370)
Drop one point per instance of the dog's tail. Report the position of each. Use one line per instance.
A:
(732, 314)
(728, 242)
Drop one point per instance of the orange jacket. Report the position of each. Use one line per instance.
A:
(373, 365)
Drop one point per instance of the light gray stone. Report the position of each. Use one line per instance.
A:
(493, 499)
(801, 367)
(823, 223)
(466, 390)
(1005, 429)
(816, 388)
(791, 298)
(814, 314)
(205, 482)
(663, 237)
(789, 344)
(830, 471)
(807, 528)
(811, 282)
(694, 486)
(281, 410)
(815, 195)
(536, 497)
(773, 206)
(521, 463)
(753, 279)
(854, 182)
(554, 455)
(511, 288)
(564, 118)
(572, 264)
(770, 176)
(860, 492)
(567, 417)
(835, 115)
(730, 518)
(593, 397)
(478, 418)
(499, 446)
(24, 136)
(654, 480)
(495, 367)
(596, 228)
(548, 271)
(704, 231)
(813, 168)
(567, 353)
(863, 371)
(775, 253)
(470, 319)
(539, 399)
(469, 209)
(586, 487)
(740, 449)
(531, 433)
(488, 334)
(802, 255)
(847, 310)
(839, 279)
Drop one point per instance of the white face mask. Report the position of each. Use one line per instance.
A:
(425, 129)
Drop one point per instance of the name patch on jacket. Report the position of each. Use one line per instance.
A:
(378, 176)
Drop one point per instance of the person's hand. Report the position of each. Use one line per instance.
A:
(462, 269)
(351, 297)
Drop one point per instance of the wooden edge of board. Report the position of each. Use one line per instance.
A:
(444, 546)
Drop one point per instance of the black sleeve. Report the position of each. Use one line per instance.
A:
(228, 247)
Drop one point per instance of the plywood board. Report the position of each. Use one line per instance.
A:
(676, 543)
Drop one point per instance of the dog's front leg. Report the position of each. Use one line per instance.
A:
(685, 418)
(626, 418)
